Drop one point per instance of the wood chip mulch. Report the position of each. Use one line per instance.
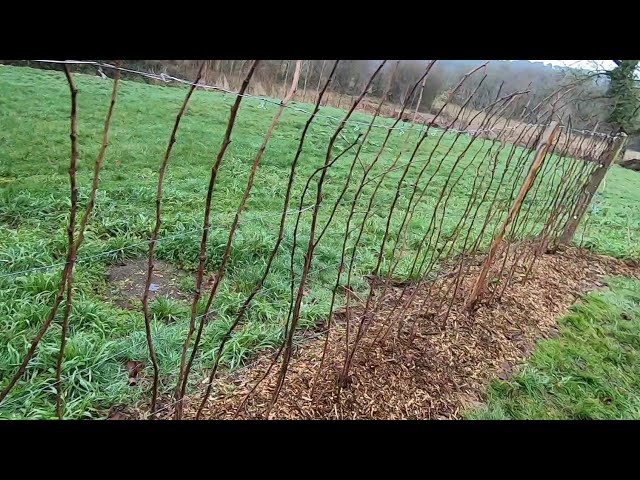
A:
(444, 370)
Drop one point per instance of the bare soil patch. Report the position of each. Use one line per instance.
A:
(127, 281)
(442, 371)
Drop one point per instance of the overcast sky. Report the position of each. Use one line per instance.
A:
(586, 64)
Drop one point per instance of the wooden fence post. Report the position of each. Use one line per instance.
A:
(592, 187)
(545, 142)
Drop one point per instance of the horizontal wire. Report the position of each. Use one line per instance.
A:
(134, 245)
(170, 78)
(143, 345)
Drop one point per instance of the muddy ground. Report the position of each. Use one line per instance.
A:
(127, 280)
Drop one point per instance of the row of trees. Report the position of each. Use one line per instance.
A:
(608, 99)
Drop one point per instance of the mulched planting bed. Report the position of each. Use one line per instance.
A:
(442, 371)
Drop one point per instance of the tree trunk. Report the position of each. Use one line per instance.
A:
(306, 77)
(320, 77)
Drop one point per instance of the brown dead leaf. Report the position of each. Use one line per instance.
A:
(133, 369)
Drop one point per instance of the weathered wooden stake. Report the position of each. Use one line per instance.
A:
(592, 187)
(545, 142)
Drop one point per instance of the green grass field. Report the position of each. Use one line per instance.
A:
(34, 205)
(591, 371)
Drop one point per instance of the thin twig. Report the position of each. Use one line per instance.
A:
(154, 239)
(256, 163)
(182, 376)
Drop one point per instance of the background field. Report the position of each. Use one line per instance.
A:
(34, 157)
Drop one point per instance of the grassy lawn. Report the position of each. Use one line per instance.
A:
(591, 371)
(34, 204)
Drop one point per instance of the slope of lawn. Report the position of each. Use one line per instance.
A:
(591, 371)
(34, 209)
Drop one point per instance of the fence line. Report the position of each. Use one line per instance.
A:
(519, 204)
(169, 78)
(132, 347)
(128, 247)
